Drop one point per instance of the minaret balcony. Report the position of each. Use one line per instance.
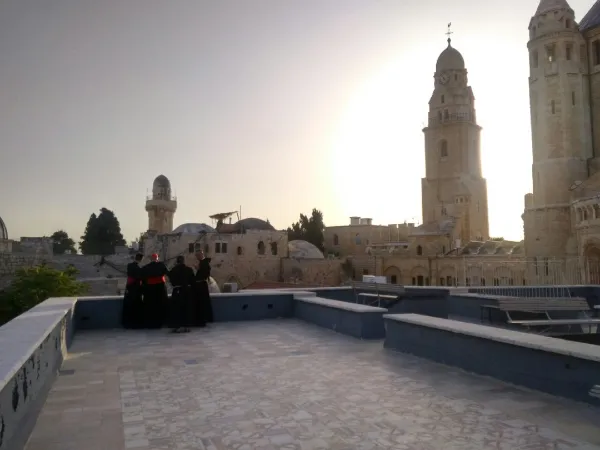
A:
(451, 118)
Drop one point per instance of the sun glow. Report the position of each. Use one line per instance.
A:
(377, 157)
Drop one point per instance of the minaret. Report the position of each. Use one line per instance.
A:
(560, 125)
(161, 206)
(453, 185)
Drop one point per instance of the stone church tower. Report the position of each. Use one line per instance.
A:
(161, 206)
(453, 185)
(560, 128)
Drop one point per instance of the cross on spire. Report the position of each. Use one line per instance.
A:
(449, 32)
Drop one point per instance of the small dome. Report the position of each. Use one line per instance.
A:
(450, 59)
(550, 5)
(304, 250)
(194, 228)
(3, 231)
(252, 223)
(162, 181)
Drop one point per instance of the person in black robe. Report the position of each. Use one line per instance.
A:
(182, 279)
(132, 316)
(155, 292)
(202, 302)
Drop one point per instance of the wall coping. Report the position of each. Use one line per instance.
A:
(518, 338)
(20, 337)
(338, 304)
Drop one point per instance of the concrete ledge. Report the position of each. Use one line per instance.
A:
(33, 347)
(559, 367)
(361, 321)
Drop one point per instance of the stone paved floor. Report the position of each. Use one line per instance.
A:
(288, 385)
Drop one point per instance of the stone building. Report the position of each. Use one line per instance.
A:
(243, 252)
(161, 206)
(562, 214)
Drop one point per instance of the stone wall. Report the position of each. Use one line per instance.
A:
(314, 272)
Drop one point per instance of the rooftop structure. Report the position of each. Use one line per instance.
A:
(290, 381)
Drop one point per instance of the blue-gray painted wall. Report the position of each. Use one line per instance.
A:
(561, 375)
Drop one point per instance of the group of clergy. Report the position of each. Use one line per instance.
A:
(146, 303)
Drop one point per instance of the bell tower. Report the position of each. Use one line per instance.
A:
(560, 122)
(453, 185)
(161, 206)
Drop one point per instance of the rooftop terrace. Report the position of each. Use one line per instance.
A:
(285, 384)
(289, 369)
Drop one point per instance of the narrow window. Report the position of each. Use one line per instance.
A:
(217, 247)
(596, 52)
(568, 23)
(443, 99)
(550, 53)
(568, 52)
(273, 248)
(553, 107)
(444, 149)
(446, 115)
(191, 248)
(261, 248)
(223, 247)
(240, 251)
(573, 98)
(336, 239)
(419, 250)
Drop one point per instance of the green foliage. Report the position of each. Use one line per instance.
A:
(34, 285)
(309, 229)
(61, 243)
(102, 234)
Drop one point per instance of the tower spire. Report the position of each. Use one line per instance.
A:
(449, 33)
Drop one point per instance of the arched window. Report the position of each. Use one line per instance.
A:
(240, 251)
(444, 149)
(273, 248)
(261, 248)
(419, 250)
(336, 239)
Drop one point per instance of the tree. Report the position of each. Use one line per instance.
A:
(61, 243)
(309, 229)
(102, 234)
(33, 285)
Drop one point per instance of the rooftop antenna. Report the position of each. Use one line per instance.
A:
(449, 33)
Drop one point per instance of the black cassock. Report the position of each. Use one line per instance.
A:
(133, 311)
(182, 279)
(155, 293)
(202, 302)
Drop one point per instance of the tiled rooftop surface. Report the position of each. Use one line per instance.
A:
(287, 385)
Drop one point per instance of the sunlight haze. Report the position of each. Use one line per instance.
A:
(277, 106)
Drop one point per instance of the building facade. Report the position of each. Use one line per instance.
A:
(562, 214)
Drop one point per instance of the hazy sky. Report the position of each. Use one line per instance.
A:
(275, 105)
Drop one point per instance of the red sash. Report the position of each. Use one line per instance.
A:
(156, 280)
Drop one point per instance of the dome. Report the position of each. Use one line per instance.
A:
(304, 250)
(162, 181)
(3, 231)
(450, 59)
(549, 5)
(194, 228)
(252, 223)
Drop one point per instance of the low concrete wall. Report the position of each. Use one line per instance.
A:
(33, 347)
(94, 313)
(555, 366)
(360, 321)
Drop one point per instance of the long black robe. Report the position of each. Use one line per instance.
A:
(133, 312)
(155, 293)
(180, 306)
(202, 301)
